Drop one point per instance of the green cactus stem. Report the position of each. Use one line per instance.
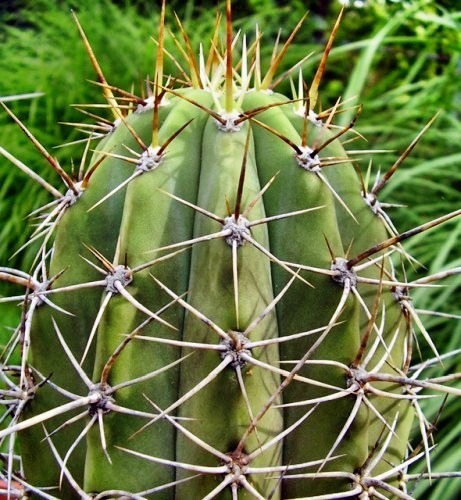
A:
(218, 306)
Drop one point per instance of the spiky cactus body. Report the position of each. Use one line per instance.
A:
(215, 312)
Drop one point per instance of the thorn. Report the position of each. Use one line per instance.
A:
(228, 208)
(401, 237)
(313, 91)
(339, 134)
(158, 77)
(290, 143)
(238, 198)
(197, 208)
(209, 111)
(52, 161)
(109, 96)
(91, 170)
(155, 116)
(275, 62)
(173, 137)
(289, 71)
(192, 310)
(258, 197)
(378, 186)
(99, 256)
(211, 60)
(189, 55)
(235, 282)
(229, 98)
(371, 323)
(250, 114)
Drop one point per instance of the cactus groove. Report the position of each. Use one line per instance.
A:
(218, 306)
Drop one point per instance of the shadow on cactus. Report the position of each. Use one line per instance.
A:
(218, 307)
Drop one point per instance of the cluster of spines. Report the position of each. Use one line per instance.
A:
(235, 347)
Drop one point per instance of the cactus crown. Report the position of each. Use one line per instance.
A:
(218, 306)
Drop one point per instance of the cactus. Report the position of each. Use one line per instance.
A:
(218, 306)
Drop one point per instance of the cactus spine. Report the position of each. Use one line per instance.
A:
(216, 310)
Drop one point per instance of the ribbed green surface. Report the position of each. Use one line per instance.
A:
(202, 167)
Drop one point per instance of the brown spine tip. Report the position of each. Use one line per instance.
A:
(229, 105)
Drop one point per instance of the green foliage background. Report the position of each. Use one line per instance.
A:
(400, 59)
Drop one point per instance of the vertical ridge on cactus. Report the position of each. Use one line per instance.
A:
(218, 306)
